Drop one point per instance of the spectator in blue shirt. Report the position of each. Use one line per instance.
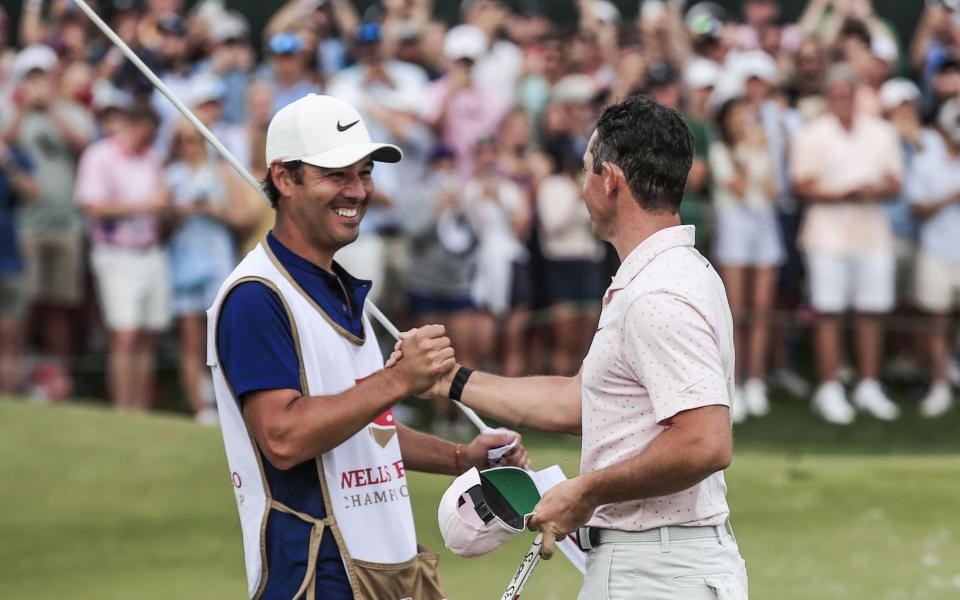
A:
(16, 185)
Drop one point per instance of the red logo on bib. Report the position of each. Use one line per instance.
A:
(383, 428)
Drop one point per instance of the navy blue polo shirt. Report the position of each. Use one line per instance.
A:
(11, 262)
(257, 352)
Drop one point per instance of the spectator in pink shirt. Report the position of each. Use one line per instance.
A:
(121, 192)
(458, 110)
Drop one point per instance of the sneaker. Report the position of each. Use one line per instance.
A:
(207, 417)
(830, 402)
(953, 372)
(791, 382)
(755, 396)
(869, 397)
(738, 407)
(938, 400)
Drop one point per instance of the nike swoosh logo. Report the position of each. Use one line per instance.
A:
(347, 126)
(689, 387)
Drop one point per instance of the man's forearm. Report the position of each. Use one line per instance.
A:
(676, 460)
(543, 403)
(427, 453)
(291, 428)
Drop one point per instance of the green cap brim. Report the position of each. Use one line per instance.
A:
(516, 487)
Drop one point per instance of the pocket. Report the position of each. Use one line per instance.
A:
(724, 585)
(416, 579)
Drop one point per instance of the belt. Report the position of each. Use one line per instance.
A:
(591, 537)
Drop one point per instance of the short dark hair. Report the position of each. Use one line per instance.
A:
(653, 146)
(141, 112)
(295, 167)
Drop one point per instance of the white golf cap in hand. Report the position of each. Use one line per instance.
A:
(481, 511)
(325, 132)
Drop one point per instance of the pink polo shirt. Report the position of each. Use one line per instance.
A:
(109, 174)
(664, 345)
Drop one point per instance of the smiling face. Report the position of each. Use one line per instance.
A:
(328, 204)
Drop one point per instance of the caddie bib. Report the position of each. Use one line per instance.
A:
(364, 482)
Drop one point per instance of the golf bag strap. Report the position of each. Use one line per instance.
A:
(308, 586)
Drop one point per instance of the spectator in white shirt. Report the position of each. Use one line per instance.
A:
(934, 191)
(572, 258)
(748, 244)
(845, 164)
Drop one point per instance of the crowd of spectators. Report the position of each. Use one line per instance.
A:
(826, 181)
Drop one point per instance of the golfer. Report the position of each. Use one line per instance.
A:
(317, 461)
(652, 398)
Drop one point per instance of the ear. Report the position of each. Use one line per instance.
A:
(612, 178)
(281, 179)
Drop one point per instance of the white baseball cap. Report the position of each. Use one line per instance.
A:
(896, 91)
(759, 64)
(325, 132)
(481, 511)
(464, 41)
(701, 73)
(35, 57)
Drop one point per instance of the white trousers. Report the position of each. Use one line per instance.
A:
(698, 569)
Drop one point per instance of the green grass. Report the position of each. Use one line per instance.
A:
(103, 505)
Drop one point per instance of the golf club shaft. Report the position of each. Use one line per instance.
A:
(245, 174)
(527, 565)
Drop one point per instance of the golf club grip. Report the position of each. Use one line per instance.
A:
(520, 578)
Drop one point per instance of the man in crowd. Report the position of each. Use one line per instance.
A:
(17, 187)
(652, 399)
(121, 191)
(934, 191)
(306, 407)
(288, 72)
(845, 165)
(53, 133)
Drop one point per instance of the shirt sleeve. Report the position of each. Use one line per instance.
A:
(804, 163)
(255, 341)
(675, 353)
(916, 186)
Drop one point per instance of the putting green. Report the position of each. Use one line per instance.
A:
(98, 504)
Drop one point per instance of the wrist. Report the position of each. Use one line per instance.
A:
(398, 384)
(459, 382)
(589, 489)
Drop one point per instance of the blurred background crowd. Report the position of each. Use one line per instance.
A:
(825, 188)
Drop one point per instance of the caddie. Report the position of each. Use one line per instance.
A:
(317, 461)
(652, 397)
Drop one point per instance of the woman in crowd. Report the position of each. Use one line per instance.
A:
(500, 211)
(573, 255)
(202, 253)
(748, 247)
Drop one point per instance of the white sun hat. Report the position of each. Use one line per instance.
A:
(481, 511)
(896, 91)
(464, 41)
(325, 132)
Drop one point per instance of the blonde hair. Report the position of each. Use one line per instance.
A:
(184, 126)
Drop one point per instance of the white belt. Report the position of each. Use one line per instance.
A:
(591, 537)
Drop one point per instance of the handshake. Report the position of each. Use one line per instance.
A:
(424, 361)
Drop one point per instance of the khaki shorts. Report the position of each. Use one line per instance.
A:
(54, 267)
(134, 288)
(937, 284)
(13, 297)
